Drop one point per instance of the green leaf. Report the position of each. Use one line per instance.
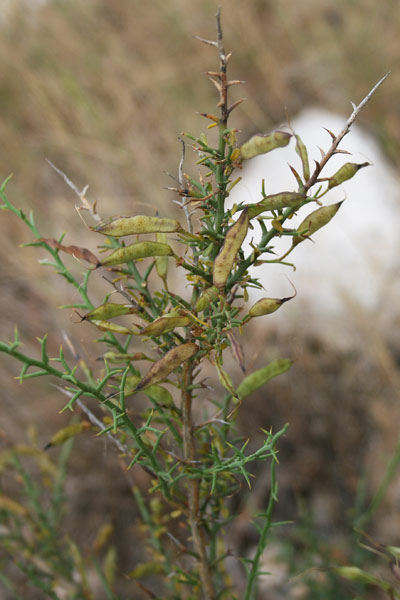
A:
(255, 380)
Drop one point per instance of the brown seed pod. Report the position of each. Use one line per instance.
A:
(164, 325)
(160, 370)
(233, 241)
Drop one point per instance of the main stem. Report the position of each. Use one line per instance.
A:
(194, 485)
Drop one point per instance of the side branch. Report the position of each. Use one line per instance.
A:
(336, 140)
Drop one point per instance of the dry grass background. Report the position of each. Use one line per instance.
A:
(103, 89)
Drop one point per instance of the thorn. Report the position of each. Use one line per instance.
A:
(204, 41)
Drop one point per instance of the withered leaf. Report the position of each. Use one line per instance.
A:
(82, 253)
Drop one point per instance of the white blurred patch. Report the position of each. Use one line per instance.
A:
(356, 256)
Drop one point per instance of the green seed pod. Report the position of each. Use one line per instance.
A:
(155, 392)
(261, 144)
(258, 378)
(206, 297)
(355, 574)
(302, 152)
(168, 363)
(276, 202)
(315, 221)
(136, 251)
(233, 241)
(113, 327)
(347, 171)
(108, 311)
(137, 225)
(162, 261)
(164, 324)
(266, 306)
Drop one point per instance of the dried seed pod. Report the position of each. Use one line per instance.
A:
(137, 225)
(66, 433)
(168, 363)
(113, 327)
(302, 152)
(162, 261)
(165, 324)
(261, 144)
(206, 297)
(136, 251)
(347, 171)
(276, 202)
(315, 221)
(108, 311)
(119, 357)
(233, 241)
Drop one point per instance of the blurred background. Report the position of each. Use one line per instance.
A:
(103, 89)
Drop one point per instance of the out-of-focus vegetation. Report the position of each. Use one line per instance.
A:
(102, 89)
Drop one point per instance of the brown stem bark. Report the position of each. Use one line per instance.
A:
(193, 485)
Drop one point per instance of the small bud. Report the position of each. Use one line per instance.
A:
(302, 152)
(261, 144)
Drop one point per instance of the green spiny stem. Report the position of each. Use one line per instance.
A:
(262, 542)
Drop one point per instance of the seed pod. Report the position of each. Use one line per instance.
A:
(108, 311)
(206, 297)
(315, 221)
(347, 171)
(261, 144)
(266, 306)
(168, 363)
(155, 392)
(233, 241)
(118, 357)
(258, 378)
(12, 506)
(137, 225)
(302, 152)
(276, 202)
(355, 574)
(162, 261)
(113, 327)
(164, 324)
(136, 251)
(66, 433)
